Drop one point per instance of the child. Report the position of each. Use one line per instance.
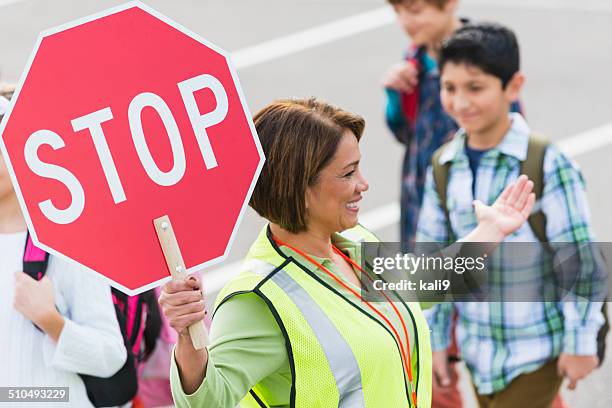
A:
(510, 366)
(414, 113)
(416, 117)
(53, 328)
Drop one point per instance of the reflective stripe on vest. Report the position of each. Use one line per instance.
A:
(340, 357)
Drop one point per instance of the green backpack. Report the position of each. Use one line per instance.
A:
(533, 167)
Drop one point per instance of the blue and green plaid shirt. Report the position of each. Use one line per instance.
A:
(501, 340)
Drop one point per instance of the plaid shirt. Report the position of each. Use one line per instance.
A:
(500, 341)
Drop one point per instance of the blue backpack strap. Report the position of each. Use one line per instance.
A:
(35, 260)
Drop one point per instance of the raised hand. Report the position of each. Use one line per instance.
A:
(510, 210)
(402, 77)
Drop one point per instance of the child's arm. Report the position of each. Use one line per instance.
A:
(567, 213)
(401, 88)
(398, 123)
(90, 341)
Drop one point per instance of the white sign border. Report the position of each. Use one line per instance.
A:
(193, 35)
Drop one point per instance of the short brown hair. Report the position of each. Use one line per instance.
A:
(299, 138)
(438, 3)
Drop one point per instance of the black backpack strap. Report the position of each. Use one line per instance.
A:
(133, 318)
(35, 260)
(440, 178)
(153, 323)
(120, 300)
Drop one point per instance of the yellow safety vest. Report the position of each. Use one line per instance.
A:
(339, 356)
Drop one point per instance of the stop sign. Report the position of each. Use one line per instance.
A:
(119, 119)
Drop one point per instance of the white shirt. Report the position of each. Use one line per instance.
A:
(90, 342)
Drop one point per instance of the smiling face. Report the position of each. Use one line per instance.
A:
(424, 22)
(332, 203)
(475, 99)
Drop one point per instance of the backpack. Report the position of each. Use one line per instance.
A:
(121, 387)
(533, 167)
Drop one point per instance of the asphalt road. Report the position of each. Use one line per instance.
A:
(565, 53)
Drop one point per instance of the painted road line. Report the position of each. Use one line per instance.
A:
(313, 37)
(8, 2)
(588, 141)
(381, 17)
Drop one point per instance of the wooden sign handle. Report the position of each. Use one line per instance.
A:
(176, 266)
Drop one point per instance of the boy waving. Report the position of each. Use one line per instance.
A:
(517, 352)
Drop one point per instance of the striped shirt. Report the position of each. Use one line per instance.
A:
(501, 340)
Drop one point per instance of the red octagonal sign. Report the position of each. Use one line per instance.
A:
(119, 119)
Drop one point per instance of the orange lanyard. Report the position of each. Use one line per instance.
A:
(406, 357)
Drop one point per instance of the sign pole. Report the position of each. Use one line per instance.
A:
(176, 266)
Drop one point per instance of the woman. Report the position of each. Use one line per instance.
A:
(292, 329)
(52, 328)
